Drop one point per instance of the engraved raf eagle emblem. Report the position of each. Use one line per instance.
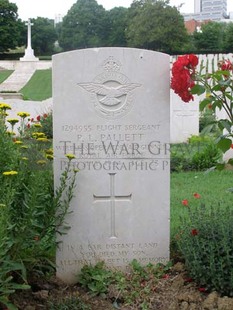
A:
(110, 94)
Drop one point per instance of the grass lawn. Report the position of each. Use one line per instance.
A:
(213, 188)
(4, 74)
(39, 87)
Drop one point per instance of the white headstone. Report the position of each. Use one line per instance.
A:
(111, 109)
(184, 118)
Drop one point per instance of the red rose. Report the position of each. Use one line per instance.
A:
(38, 118)
(226, 65)
(185, 202)
(194, 232)
(202, 289)
(182, 76)
(196, 195)
(193, 60)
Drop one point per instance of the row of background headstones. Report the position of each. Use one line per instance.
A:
(184, 116)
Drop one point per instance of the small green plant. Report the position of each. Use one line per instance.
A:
(136, 287)
(206, 243)
(68, 303)
(131, 289)
(95, 278)
(7, 286)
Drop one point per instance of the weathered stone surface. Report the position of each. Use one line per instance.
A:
(111, 109)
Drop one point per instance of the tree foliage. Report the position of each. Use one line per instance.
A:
(211, 38)
(9, 25)
(43, 36)
(118, 23)
(85, 25)
(156, 25)
(228, 42)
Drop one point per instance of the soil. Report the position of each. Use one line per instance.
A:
(175, 291)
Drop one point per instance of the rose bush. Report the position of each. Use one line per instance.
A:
(218, 87)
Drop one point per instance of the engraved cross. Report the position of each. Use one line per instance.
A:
(112, 198)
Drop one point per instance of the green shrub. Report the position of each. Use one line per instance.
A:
(179, 162)
(28, 207)
(206, 243)
(206, 158)
(9, 152)
(199, 154)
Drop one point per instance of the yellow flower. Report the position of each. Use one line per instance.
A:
(38, 135)
(24, 158)
(12, 172)
(4, 106)
(23, 114)
(70, 156)
(12, 121)
(11, 133)
(24, 146)
(49, 151)
(38, 125)
(41, 162)
(18, 142)
(42, 139)
(49, 156)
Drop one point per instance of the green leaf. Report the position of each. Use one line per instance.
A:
(198, 90)
(220, 167)
(204, 103)
(230, 161)
(9, 305)
(228, 95)
(217, 103)
(207, 129)
(224, 144)
(225, 123)
(217, 87)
